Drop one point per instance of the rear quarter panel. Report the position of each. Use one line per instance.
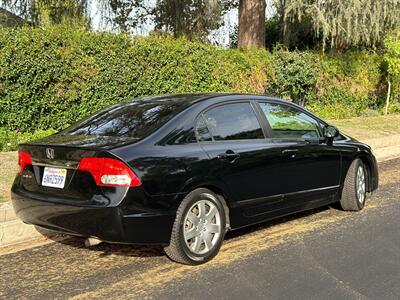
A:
(168, 172)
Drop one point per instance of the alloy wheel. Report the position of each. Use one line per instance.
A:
(202, 227)
(360, 185)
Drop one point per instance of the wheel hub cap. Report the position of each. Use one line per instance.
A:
(202, 227)
(360, 185)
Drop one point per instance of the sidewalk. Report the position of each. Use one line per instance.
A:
(13, 231)
(385, 148)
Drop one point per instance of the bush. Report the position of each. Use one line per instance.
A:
(349, 84)
(295, 74)
(10, 139)
(392, 55)
(50, 78)
(394, 108)
(392, 59)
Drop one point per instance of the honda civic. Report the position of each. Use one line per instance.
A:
(182, 170)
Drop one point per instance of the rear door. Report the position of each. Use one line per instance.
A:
(239, 153)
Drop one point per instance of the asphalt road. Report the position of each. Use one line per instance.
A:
(322, 254)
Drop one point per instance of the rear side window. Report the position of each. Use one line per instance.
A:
(290, 123)
(129, 120)
(234, 121)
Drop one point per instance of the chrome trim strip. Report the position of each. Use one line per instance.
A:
(56, 164)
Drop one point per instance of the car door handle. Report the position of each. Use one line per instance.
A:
(229, 155)
(291, 152)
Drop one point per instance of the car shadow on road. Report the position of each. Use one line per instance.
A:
(275, 222)
(106, 249)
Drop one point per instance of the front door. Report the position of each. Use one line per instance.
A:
(310, 166)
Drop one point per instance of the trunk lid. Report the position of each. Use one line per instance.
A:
(65, 156)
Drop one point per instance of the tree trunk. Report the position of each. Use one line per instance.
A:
(251, 23)
(388, 95)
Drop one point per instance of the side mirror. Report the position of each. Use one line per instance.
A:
(330, 132)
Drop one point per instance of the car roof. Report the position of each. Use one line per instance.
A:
(214, 98)
(192, 98)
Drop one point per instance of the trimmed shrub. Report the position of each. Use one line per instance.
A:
(51, 77)
(392, 59)
(296, 74)
(349, 84)
(10, 139)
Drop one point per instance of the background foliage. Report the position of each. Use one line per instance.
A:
(50, 78)
(392, 60)
(296, 74)
(344, 24)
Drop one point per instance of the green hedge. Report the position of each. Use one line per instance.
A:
(10, 139)
(50, 78)
(349, 84)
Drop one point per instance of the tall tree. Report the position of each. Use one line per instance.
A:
(346, 23)
(192, 18)
(44, 12)
(47, 12)
(8, 19)
(125, 15)
(251, 23)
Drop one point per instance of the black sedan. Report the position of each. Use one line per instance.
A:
(182, 170)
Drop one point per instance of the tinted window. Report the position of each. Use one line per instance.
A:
(288, 122)
(236, 121)
(134, 120)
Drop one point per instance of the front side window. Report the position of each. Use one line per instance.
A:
(290, 123)
(234, 121)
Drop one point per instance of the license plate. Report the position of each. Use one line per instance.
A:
(54, 177)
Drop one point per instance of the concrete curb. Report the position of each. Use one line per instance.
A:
(7, 213)
(13, 231)
(385, 148)
(383, 142)
(387, 153)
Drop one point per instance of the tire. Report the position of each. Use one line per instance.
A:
(192, 227)
(354, 187)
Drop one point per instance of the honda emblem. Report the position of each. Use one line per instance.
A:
(50, 153)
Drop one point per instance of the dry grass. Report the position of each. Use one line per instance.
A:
(8, 168)
(369, 128)
(359, 128)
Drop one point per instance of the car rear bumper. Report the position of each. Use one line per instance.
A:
(110, 224)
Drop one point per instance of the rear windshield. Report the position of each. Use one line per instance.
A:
(135, 119)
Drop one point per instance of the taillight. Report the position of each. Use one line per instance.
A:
(24, 159)
(109, 171)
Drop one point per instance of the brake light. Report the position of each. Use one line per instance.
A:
(24, 159)
(109, 171)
